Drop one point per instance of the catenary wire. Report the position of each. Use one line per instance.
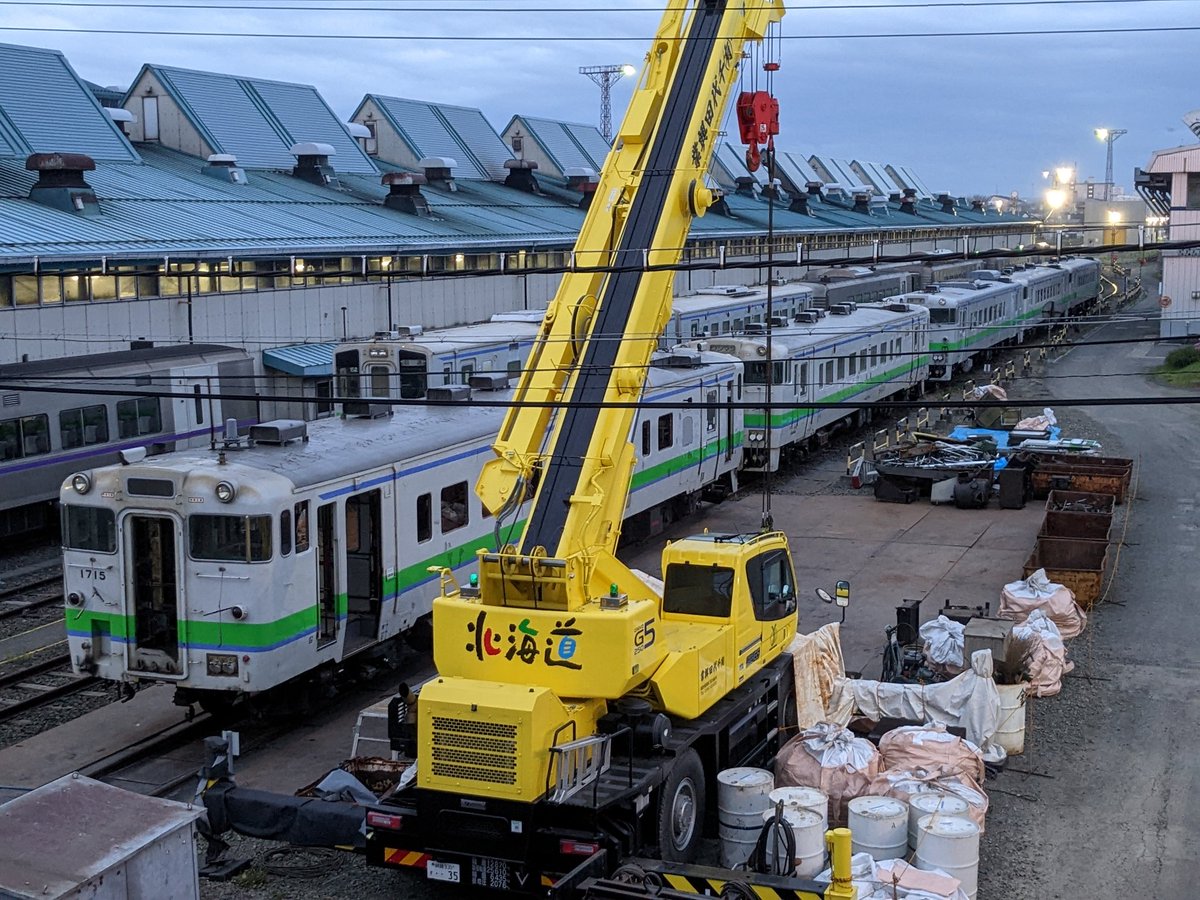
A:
(323, 6)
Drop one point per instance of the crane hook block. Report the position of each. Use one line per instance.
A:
(758, 117)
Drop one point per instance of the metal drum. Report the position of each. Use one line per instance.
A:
(741, 801)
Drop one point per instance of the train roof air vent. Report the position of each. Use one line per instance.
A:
(840, 309)
(808, 317)
(488, 381)
(684, 358)
(449, 393)
(279, 432)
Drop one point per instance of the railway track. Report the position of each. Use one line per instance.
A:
(40, 684)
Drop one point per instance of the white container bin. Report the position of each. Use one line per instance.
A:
(879, 826)
(933, 804)
(742, 798)
(952, 845)
(1010, 731)
(802, 798)
(808, 829)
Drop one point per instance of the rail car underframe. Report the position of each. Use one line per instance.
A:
(521, 847)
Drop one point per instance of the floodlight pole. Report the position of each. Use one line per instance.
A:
(1108, 135)
(605, 77)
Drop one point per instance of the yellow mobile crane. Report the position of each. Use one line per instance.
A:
(577, 716)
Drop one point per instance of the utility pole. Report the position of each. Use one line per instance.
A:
(606, 77)
(1108, 135)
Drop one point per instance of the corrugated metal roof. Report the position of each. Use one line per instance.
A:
(879, 177)
(45, 108)
(433, 129)
(306, 360)
(567, 144)
(796, 167)
(258, 121)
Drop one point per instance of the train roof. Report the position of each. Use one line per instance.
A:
(142, 359)
(458, 336)
(864, 322)
(703, 302)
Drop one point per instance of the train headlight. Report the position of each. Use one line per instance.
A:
(238, 612)
(757, 435)
(225, 491)
(218, 664)
(81, 483)
(74, 599)
(939, 357)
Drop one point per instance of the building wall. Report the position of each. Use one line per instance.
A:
(533, 150)
(174, 129)
(390, 146)
(1181, 268)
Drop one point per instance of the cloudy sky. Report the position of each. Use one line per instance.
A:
(972, 114)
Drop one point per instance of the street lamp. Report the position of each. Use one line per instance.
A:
(1064, 175)
(1108, 135)
(606, 77)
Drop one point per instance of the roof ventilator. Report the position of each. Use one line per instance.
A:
(488, 381)
(367, 408)
(312, 163)
(120, 117)
(977, 206)
(520, 175)
(799, 205)
(439, 171)
(404, 193)
(684, 358)
(60, 182)
(449, 393)
(908, 204)
(583, 180)
(947, 204)
(814, 189)
(224, 167)
(279, 432)
(862, 202)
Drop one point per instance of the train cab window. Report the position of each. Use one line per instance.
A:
(769, 578)
(424, 518)
(454, 506)
(413, 379)
(301, 518)
(83, 426)
(710, 411)
(345, 366)
(698, 590)
(940, 316)
(666, 431)
(646, 438)
(26, 436)
(230, 538)
(138, 416)
(89, 528)
(285, 532)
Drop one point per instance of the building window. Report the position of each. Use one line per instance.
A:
(1193, 190)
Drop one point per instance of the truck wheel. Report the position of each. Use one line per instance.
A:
(681, 810)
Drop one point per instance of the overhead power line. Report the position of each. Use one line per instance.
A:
(490, 9)
(596, 38)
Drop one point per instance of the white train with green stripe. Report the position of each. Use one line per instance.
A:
(233, 572)
(861, 354)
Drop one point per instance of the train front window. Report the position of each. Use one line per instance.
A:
(939, 316)
(89, 528)
(756, 373)
(230, 538)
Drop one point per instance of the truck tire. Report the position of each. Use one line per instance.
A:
(681, 810)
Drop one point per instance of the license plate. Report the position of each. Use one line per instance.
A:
(443, 871)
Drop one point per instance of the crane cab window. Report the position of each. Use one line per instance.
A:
(454, 506)
(424, 518)
(698, 590)
(769, 577)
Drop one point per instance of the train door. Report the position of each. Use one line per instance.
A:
(153, 565)
(327, 618)
(364, 568)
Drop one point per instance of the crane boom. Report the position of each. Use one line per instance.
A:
(601, 330)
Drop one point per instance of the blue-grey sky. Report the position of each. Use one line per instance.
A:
(970, 114)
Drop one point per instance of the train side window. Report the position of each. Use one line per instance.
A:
(829, 373)
(514, 368)
(853, 364)
(803, 369)
(841, 375)
(26, 436)
(285, 532)
(710, 411)
(454, 507)
(199, 405)
(424, 518)
(302, 526)
(646, 438)
(689, 427)
(467, 371)
(83, 426)
(138, 416)
(230, 538)
(666, 431)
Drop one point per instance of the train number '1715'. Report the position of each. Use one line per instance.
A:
(92, 574)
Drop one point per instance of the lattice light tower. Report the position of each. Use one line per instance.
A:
(606, 77)
(1108, 135)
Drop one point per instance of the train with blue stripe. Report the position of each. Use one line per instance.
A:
(231, 572)
(47, 434)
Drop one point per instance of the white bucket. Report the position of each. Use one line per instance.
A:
(808, 828)
(879, 826)
(802, 798)
(1010, 732)
(952, 845)
(933, 803)
(741, 801)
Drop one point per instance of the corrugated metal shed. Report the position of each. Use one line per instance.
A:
(306, 360)
(45, 108)
(258, 120)
(438, 129)
(878, 177)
